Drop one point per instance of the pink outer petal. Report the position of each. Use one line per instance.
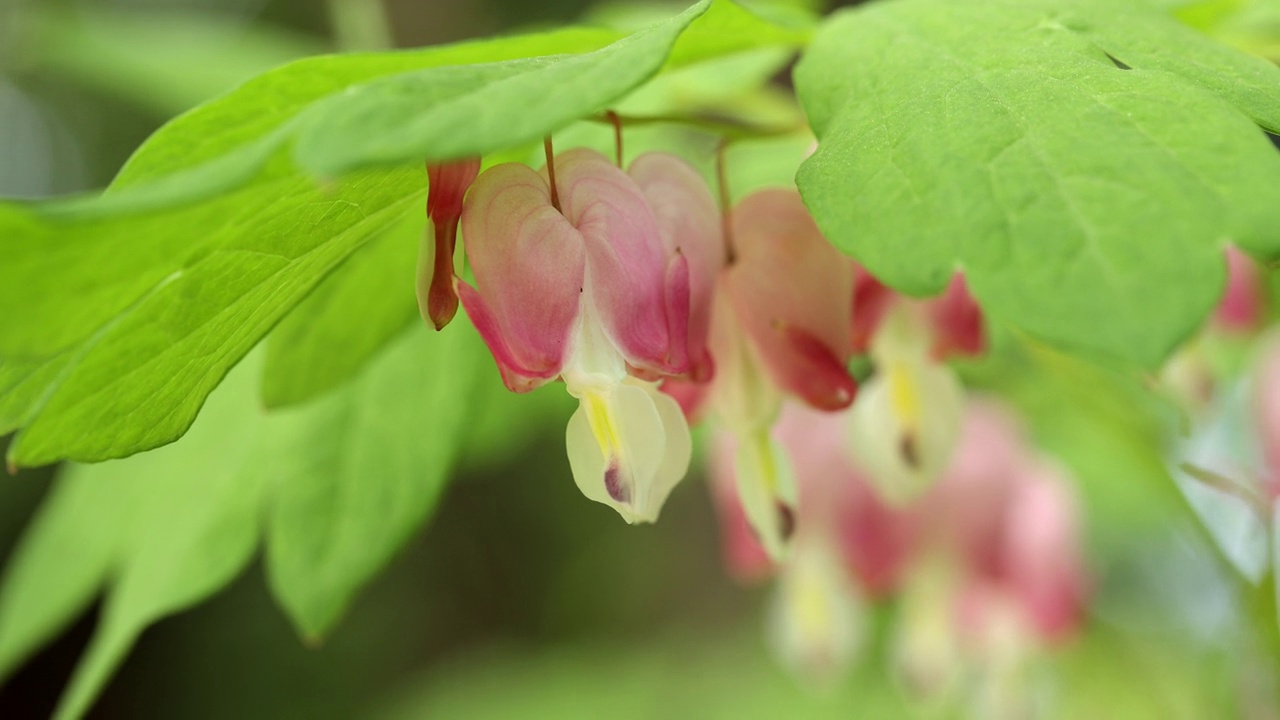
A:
(837, 500)
(1266, 399)
(871, 301)
(966, 509)
(1241, 306)
(957, 322)
(1042, 553)
(793, 293)
(690, 396)
(688, 220)
(529, 264)
(627, 264)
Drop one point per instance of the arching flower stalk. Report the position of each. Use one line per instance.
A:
(779, 329)
(906, 423)
(601, 278)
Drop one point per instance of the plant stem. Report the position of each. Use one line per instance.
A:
(360, 25)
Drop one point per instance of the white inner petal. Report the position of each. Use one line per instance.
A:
(766, 488)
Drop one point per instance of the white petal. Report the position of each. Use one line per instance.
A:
(618, 449)
(927, 653)
(678, 451)
(817, 618)
(767, 490)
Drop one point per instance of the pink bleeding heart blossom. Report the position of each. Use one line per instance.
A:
(447, 186)
(906, 423)
(779, 329)
(608, 291)
(987, 563)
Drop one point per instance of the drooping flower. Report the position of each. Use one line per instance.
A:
(447, 186)
(601, 281)
(847, 545)
(999, 575)
(779, 329)
(906, 423)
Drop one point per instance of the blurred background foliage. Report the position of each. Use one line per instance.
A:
(519, 599)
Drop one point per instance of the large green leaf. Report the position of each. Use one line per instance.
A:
(1087, 203)
(165, 529)
(137, 380)
(121, 321)
(341, 482)
(358, 471)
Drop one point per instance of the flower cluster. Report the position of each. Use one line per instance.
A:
(986, 563)
(658, 308)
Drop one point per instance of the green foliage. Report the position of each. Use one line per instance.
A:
(342, 482)
(358, 471)
(165, 530)
(134, 305)
(347, 320)
(1002, 139)
(164, 61)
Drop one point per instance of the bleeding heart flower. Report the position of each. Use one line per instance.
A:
(906, 422)
(779, 328)
(602, 281)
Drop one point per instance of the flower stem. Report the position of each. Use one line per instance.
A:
(551, 172)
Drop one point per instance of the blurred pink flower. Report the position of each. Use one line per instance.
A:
(988, 557)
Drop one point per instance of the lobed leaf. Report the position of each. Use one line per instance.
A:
(1033, 146)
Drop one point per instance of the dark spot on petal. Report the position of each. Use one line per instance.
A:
(786, 519)
(613, 484)
(910, 450)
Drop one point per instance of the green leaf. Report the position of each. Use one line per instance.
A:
(341, 482)
(165, 529)
(140, 337)
(359, 470)
(1000, 138)
(347, 320)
